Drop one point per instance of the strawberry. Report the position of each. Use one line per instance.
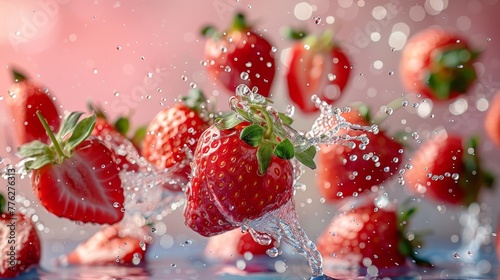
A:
(369, 235)
(241, 167)
(173, 133)
(112, 245)
(344, 171)
(447, 169)
(317, 66)
(75, 176)
(239, 56)
(19, 242)
(492, 120)
(26, 98)
(438, 64)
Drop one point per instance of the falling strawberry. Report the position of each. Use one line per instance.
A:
(75, 176)
(173, 133)
(492, 120)
(241, 168)
(370, 238)
(317, 66)
(447, 169)
(112, 245)
(26, 97)
(438, 64)
(240, 56)
(345, 171)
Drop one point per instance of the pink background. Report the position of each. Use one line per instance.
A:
(103, 51)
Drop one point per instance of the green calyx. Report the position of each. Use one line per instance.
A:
(266, 131)
(321, 43)
(18, 76)
(452, 72)
(195, 100)
(239, 24)
(3, 203)
(474, 177)
(72, 132)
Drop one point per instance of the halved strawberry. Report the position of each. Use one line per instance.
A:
(75, 176)
(116, 244)
(20, 246)
(448, 169)
(318, 66)
(492, 120)
(26, 97)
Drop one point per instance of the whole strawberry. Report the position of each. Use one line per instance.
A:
(344, 172)
(369, 238)
(75, 176)
(447, 169)
(492, 120)
(317, 66)
(438, 64)
(26, 97)
(241, 168)
(173, 133)
(19, 242)
(240, 56)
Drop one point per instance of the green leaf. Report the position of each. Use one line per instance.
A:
(38, 162)
(139, 135)
(2, 203)
(209, 31)
(244, 114)
(307, 157)
(228, 121)
(82, 130)
(264, 155)
(69, 124)
(33, 148)
(286, 119)
(194, 99)
(96, 110)
(122, 125)
(252, 134)
(284, 150)
(18, 76)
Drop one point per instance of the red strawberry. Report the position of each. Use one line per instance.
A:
(75, 176)
(112, 245)
(240, 56)
(343, 172)
(242, 169)
(172, 135)
(447, 169)
(19, 243)
(26, 98)
(438, 64)
(318, 66)
(368, 235)
(492, 120)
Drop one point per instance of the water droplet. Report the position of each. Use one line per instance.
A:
(116, 93)
(116, 204)
(184, 78)
(273, 252)
(150, 75)
(488, 39)
(244, 76)
(353, 157)
(118, 47)
(95, 71)
(391, 73)
(192, 85)
(456, 255)
(317, 20)
(142, 244)
(223, 49)
(455, 176)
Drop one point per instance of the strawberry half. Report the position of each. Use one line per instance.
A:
(317, 66)
(75, 176)
(241, 168)
(26, 97)
(113, 245)
(240, 56)
(19, 242)
(438, 64)
(492, 120)
(344, 172)
(447, 169)
(369, 235)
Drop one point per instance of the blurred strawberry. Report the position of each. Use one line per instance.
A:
(19, 242)
(317, 66)
(26, 97)
(344, 172)
(492, 120)
(438, 64)
(447, 169)
(240, 56)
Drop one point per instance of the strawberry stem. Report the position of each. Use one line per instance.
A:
(51, 135)
(18, 76)
(269, 131)
(394, 105)
(239, 22)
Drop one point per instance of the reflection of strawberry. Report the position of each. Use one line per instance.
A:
(240, 56)
(75, 176)
(492, 120)
(317, 66)
(343, 172)
(438, 64)
(112, 245)
(173, 133)
(26, 98)
(368, 235)
(17, 231)
(234, 244)
(447, 169)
